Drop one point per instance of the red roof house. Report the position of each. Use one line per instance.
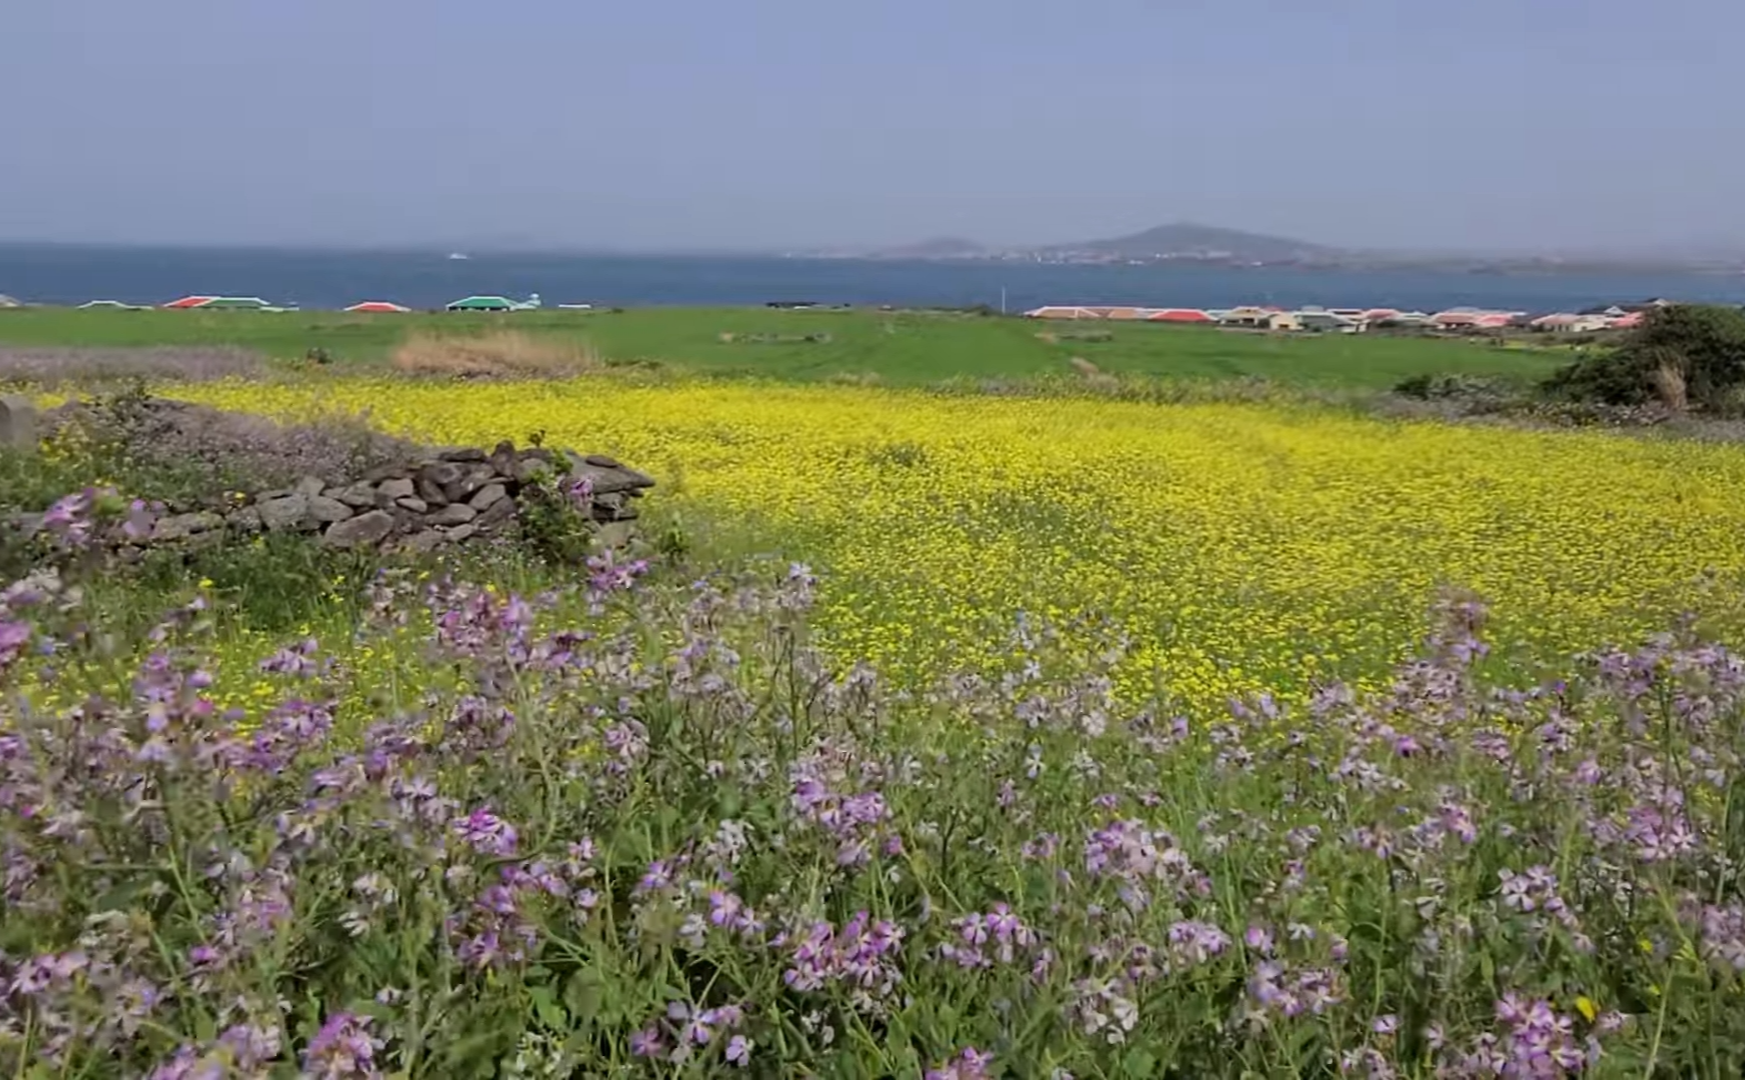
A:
(378, 307)
(190, 302)
(1455, 319)
(1179, 315)
(1556, 321)
(1256, 315)
(1472, 319)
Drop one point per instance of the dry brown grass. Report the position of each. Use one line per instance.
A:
(856, 378)
(1055, 337)
(499, 354)
(1094, 375)
(1669, 384)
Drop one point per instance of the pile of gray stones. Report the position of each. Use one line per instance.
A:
(427, 498)
(450, 497)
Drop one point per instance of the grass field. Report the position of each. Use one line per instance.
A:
(896, 349)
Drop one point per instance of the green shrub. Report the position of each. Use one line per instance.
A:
(273, 582)
(555, 524)
(1686, 352)
(30, 480)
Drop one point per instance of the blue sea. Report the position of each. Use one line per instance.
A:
(334, 279)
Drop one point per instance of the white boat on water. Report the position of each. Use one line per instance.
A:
(458, 255)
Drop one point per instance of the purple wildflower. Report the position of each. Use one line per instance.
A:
(1258, 939)
(646, 1043)
(969, 1064)
(1192, 943)
(343, 1047)
(739, 1051)
(486, 833)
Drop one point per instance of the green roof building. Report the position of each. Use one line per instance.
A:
(495, 303)
(483, 303)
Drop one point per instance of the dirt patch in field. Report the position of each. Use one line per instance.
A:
(500, 354)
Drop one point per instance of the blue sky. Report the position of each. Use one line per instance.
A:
(668, 124)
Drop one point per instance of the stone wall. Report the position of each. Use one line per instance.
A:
(442, 497)
(450, 497)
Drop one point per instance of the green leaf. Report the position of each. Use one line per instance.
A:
(1139, 1063)
(546, 1008)
(945, 1017)
(123, 895)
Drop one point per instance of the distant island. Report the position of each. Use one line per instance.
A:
(1187, 243)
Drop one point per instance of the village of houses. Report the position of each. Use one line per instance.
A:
(362, 307)
(1358, 320)
(1253, 317)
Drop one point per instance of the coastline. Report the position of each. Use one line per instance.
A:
(319, 279)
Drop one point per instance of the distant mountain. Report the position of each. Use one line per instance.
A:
(1185, 240)
(944, 247)
(1189, 244)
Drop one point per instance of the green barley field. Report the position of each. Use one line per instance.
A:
(893, 348)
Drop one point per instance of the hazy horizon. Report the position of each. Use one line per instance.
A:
(486, 247)
(1533, 126)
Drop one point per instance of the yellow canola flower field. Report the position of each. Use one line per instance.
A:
(1240, 546)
